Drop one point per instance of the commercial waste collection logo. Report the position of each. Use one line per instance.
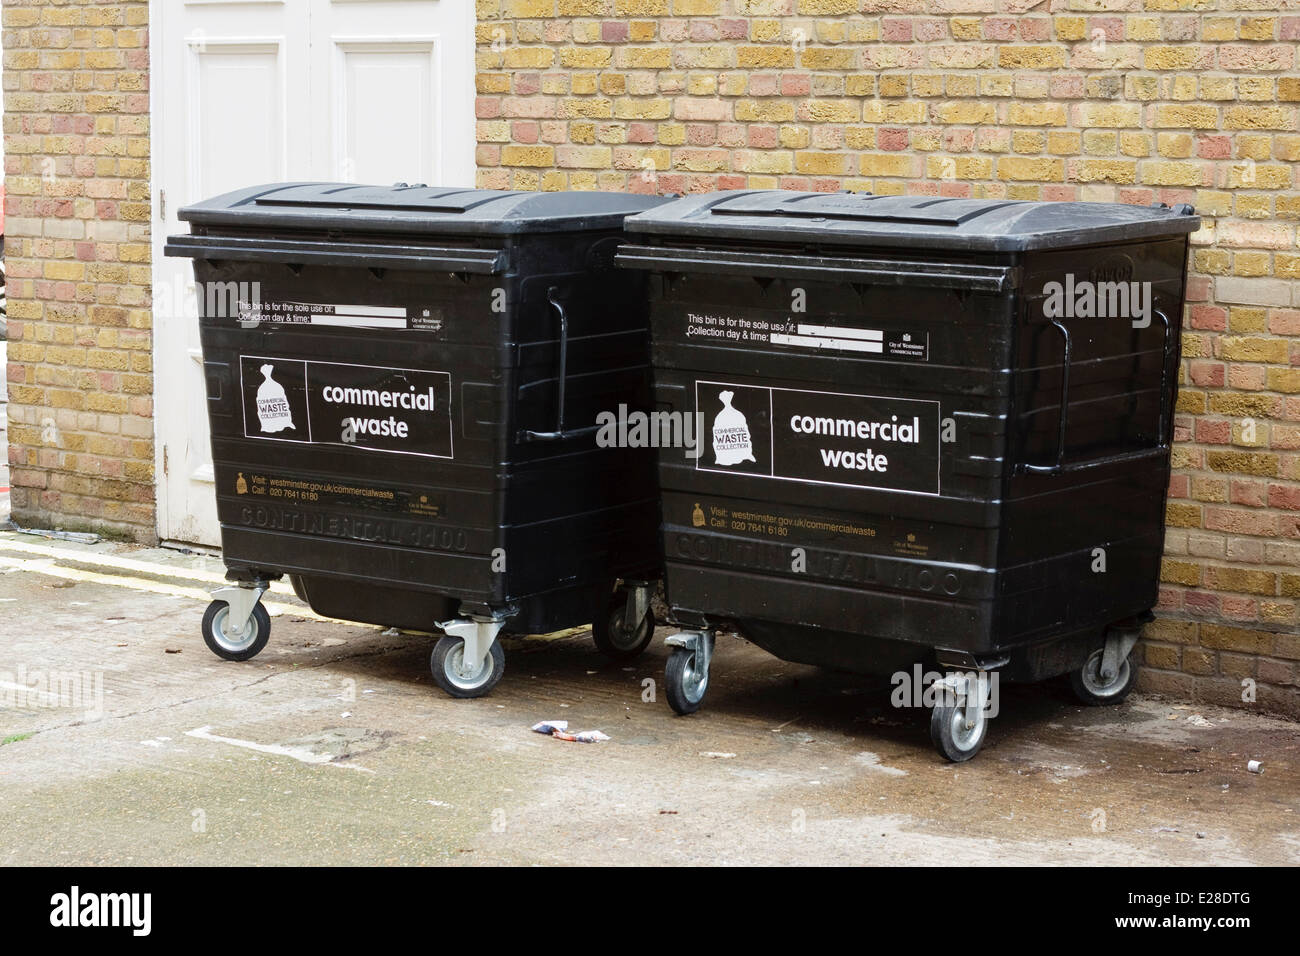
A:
(732, 442)
(273, 411)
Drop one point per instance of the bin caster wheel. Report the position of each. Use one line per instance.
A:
(953, 734)
(448, 665)
(685, 681)
(614, 638)
(1092, 689)
(235, 646)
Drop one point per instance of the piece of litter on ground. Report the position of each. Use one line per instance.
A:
(1196, 720)
(1165, 830)
(582, 736)
(346, 713)
(1255, 766)
(390, 632)
(171, 650)
(80, 537)
(559, 729)
(716, 754)
(438, 803)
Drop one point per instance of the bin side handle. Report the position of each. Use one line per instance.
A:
(1162, 434)
(561, 379)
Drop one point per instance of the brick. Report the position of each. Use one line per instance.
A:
(528, 156)
(1241, 640)
(887, 164)
(764, 57)
(1036, 114)
(1037, 170)
(821, 164)
(1259, 117)
(1256, 291)
(1241, 579)
(1195, 117)
(1100, 170)
(1031, 57)
(1243, 463)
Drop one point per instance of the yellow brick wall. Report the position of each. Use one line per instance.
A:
(1105, 100)
(77, 251)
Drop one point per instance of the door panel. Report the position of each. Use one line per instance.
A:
(400, 76)
(237, 123)
(386, 139)
(255, 91)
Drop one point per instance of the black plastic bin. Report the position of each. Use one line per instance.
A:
(924, 441)
(402, 389)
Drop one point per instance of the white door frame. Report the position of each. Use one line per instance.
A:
(461, 166)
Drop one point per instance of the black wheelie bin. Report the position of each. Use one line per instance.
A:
(934, 432)
(402, 386)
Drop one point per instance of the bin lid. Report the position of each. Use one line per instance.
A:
(863, 219)
(414, 209)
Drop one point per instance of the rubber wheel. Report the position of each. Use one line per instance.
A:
(243, 646)
(1090, 689)
(685, 686)
(950, 735)
(614, 638)
(445, 662)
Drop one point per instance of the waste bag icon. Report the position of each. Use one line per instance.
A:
(732, 443)
(272, 403)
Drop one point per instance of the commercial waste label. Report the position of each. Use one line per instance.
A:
(395, 410)
(829, 438)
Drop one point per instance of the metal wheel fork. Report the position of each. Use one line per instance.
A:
(638, 601)
(1118, 646)
(479, 634)
(699, 642)
(241, 600)
(971, 690)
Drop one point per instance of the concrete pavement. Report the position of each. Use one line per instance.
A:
(334, 746)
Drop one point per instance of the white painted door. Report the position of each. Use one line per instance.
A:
(259, 91)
